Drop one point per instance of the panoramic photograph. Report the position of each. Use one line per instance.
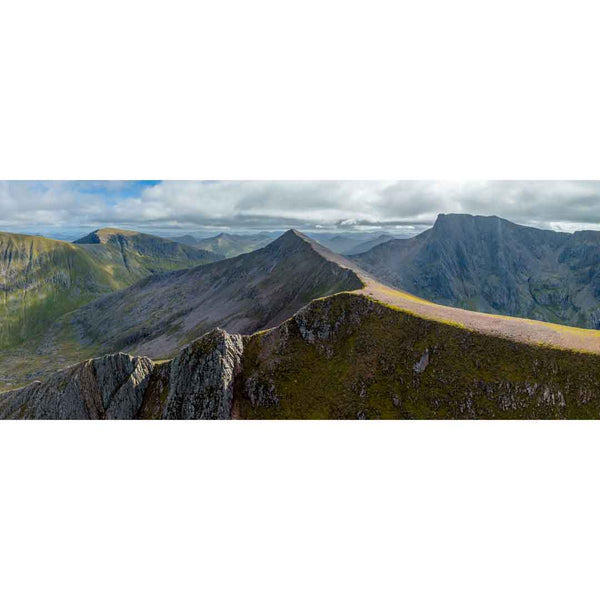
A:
(299, 299)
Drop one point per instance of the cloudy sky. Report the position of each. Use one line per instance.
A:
(209, 206)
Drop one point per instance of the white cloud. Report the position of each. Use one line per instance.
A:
(353, 205)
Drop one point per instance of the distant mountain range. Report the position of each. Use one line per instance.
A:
(227, 245)
(492, 265)
(230, 245)
(368, 244)
(352, 243)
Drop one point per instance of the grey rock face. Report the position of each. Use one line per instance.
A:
(322, 324)
(491, 265)
(422, 363)
(110, 387)
(197, 384)
(201, 378)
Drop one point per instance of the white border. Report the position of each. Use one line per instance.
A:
(311, 90)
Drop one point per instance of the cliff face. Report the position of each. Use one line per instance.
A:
(201, 378)
(197, 384)
(111, 387)
(492, 265)
(342, 357)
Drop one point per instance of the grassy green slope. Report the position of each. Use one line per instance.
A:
(41, 279)
(351, 357)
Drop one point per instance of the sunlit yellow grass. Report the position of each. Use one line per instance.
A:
(574, 337)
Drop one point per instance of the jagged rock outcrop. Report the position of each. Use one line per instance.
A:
(201, 378)
(111, 387)
(197, 384)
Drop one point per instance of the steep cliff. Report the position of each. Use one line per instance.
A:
(111, 387)
(492, 265)
(197, 384)
(201, 378)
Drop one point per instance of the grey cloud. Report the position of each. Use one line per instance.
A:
(335, 205)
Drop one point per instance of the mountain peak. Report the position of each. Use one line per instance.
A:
(291, 236)
(294, 232)
(465, 217)
(455, 223)
(101, 236)
(461, 224)
(295, 241)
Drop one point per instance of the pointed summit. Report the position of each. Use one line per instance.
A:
(291, 234)
(290, 240)
(294, 241)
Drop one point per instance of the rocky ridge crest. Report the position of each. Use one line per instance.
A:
(344, 356)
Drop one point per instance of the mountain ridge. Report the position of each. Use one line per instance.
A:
(345, 356)
(130, 243)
